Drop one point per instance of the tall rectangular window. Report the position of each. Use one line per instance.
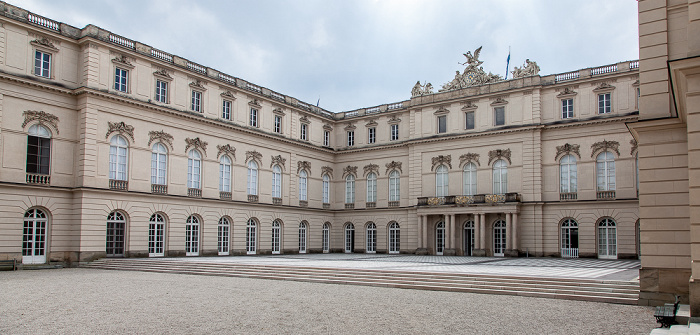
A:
(42, 64)
(351, 138)
(38, 154)
(161, 91)
(499, 116)
(442, 124)
(226, 110)
(567, 108)
(372, 135)
(120, 79)
(326, 138)
(278, 124)
(304, 132)
(253, 122)
(394, 132)
(469, 117)
(604, 105)
(196, 101)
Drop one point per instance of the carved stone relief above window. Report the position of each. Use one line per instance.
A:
(469, 106)
(350, 126)
(349, 170)
(499, 101)
(254, 155)
(304, 165)
(44, 119)
(567, 92)
(255, 103)
(226, 149)
(160, 136)
(567, 149)
(371, 123)
(163, 74)
(393, 165)
(45, 43)
(196, 143)
(467, 158)
(634, 145)
(278, 160)
(371, 168)
(198, 85)
(603, 87)
(121, 128)
(122, 61)
(394, 119)
(278, 111)
(605, 145)
(441, 111)
(327, 170)
(441, 159)
(304, 119)
(228, 94)
(327, 127)
(498, 154)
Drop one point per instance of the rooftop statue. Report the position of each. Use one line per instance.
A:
(419, 90)
(472, 61)
(529, 69)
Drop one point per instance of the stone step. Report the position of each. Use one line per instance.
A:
(589, 290)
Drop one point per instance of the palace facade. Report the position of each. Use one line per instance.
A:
(112, 148)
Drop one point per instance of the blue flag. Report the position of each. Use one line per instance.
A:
(507, 63)
(318, 101)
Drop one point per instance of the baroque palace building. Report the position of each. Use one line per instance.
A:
(110, 147)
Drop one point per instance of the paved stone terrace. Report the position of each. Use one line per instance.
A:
(579, 268)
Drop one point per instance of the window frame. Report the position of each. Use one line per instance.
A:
(351, 138)
(191, 169)
(609, 172)
(604, 105)
(372, 135)
(303, 185)
(193, 235)
(118, 170)
(568, 184)
(226, 109)
(350, 189)
(224, 174)
(157, 169)
(223, 238)
(371, 187)
(304, 132)
(277, 124)
(394, 186)
(42, 163)
(252, 178)
(496, 110)
(276, 181)
(442, 181)
(394, 132)
(567, 108)
(161, 94)
(196, 101)
(441, 124)
(469, 179)
(500, 176)
(253, 117)
(326, 138)
(49, 63)
(466, 120)
(326, 188)
(121, 82)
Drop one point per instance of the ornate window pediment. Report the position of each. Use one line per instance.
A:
(350, 127)
(394, 119)
(226, 149)
(441, 159)
(327, 170)
(371, 168)
(469, 106)
(499, 101)
(349, 170)
(604, 146)
(161, 136)
(255, 103)
(304, 119)
(603, 87)
(198, 85)
(122, 61)
(327, 127)
(278, 160)
(498, 154)
(228, 95)
(44, 119)
(304, 165)
(44, 43)
(441, 111)
(567, 149)
(393, 165)
(278, 111)
(253, 155)
(371, 123)
(121, 128)
(467, 158)
(567, 93)
(163, 74)
(196, 143)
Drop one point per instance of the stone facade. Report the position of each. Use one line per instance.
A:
(668, 199)
(137, 135)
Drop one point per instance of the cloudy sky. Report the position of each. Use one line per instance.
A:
(362, 53)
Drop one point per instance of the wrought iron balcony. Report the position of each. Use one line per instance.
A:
(469, 200)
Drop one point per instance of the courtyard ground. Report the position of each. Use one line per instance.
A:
(92, 301)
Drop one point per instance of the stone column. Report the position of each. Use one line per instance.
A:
(453, 235)
(515, 231)
(446, 220)
(420, 231)
(482, 231)
(508, 230)
(477, 232)
(425, 231)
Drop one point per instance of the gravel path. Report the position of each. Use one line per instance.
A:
(92, 301)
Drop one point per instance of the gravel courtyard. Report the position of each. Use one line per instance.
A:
(91, 301)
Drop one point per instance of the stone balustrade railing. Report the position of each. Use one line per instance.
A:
(467, 200)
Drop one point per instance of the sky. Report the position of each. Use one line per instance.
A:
(362, 53)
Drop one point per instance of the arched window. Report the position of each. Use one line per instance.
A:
(499, 238)
(326, 189)
(252, 178)
(371, 241)
(251, 245)
(302, 237)
(194, 169)
(605, 171)
(118, 150)
(34, 237)
(276, 181)
(394, 238)
(225, 174)
(156, 236)
(440, 238)
(325, 243)
(372, 187)
(159, 159)
(116, 228)
(441, 181)
(500, 177)
(394, 186)
(607, 239)
(350, 189)
(302, 185)
(192, 236)
(469, 238)
(276, 236)
(569, 239)
(567, 174)
(469, 179)
(349, 237)
(38, 149)
(224, 236)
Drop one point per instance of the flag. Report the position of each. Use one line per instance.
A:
(508, 63)
(318, 101)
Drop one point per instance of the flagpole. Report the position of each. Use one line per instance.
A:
(508, 62)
